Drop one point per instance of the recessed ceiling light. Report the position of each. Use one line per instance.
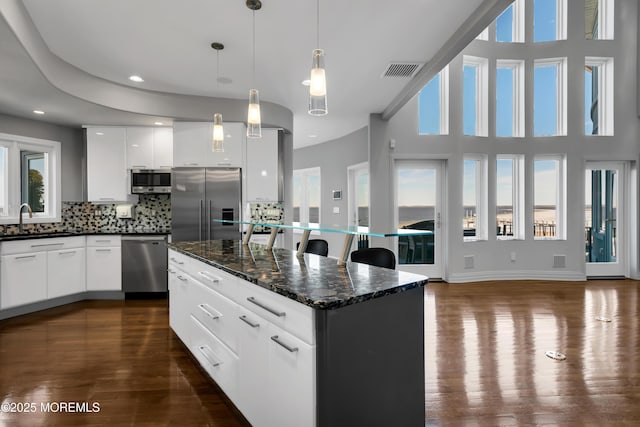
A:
(306, 82)
(100, 133)
(136, 79)
(38, 112)
(313, 135)
(157, 123)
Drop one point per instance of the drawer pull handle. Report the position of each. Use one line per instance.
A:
(249, 322)
(46, 244)
(209, 277)
(103, 250)
(171, 271)
(176, 261)
(211, 360)
(183, 279)
(66, 252)
(214, 316)
(25, 256)
(266, 307)
(289, 348)
(103, 241)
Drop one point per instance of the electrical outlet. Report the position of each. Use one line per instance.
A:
(513, 257)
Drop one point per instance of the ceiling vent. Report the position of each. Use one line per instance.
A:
(402, 69)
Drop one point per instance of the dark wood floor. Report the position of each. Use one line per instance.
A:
(485, 360)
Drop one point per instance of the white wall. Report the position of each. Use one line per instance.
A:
(534, 259)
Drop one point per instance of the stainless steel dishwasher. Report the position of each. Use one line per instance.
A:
(144, 264)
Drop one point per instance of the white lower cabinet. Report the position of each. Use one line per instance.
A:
(180, 303)
(66, 272)
(24, 279)
(237, 334)
(291, 379)
(104, 263)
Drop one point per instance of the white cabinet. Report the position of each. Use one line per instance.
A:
(39, 269)
(149, 148)
(24, 279)
(291, 379)
(179, 303)
(104, 263)
(162, 148)
(66, 272)
(106, 167)
(262, 172)
(192, 143)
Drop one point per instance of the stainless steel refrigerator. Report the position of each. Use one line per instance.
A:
(200, 195)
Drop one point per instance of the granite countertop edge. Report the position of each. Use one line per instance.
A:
(316, 304)
(14, 237)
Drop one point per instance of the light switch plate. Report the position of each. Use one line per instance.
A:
(336, 209)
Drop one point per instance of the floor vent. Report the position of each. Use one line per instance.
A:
(402, 69)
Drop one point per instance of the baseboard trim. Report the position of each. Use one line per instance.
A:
(483, 276)
(56, 302)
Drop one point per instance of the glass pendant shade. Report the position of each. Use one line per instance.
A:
(318, 85)
(218, 133)
(254, 129)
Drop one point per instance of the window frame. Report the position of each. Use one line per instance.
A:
(517, 23)
(517, 196)
(606, 92)
(482, 180)
(353, 172)
(561, 94)
(518, 94)
(15, 144)
(481, 93)
(443, 102)
(561, 194)
(304, 200)
(561, 22)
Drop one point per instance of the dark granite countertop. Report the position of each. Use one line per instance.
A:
(45, 235)
(313, 280)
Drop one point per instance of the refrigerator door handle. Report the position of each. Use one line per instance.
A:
(210, 219)
(200, 219)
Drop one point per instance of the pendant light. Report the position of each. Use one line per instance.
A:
(254, 129)
(318, 85)
(218, 130)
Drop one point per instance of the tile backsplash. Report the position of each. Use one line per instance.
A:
(152, 214)
(272, 212)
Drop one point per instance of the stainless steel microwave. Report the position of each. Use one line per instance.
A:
(147, 181)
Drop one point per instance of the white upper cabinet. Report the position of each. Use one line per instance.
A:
(162, 148)
(106, 166)
(192, 143)
(149, 148)
(262, 167)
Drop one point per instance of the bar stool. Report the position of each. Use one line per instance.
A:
(316, 246)
(380, 257)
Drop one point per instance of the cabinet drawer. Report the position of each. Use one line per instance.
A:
(106, 240)
(293, 317)
(217, 313)
(180, 261)
(219, 362)
(39, 245)
(216, 279)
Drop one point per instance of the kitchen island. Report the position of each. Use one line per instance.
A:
(298, 339)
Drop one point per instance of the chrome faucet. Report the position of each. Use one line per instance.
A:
(20, 225)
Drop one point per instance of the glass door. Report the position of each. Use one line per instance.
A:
(604, 226)
(418, 189)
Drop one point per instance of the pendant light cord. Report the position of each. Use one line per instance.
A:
(317, 24)
(253, 77)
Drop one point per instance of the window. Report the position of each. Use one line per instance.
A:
(598, 19)
(549, 20)
(548, 203)
(475, 100)
(29, 173)
(509, 98)
(549, 97)
(306, 196)
(509, 196)
(484, 35)
(510, 24)
(433, 105)
(598, 96)
(474, 195)
(359, 196)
